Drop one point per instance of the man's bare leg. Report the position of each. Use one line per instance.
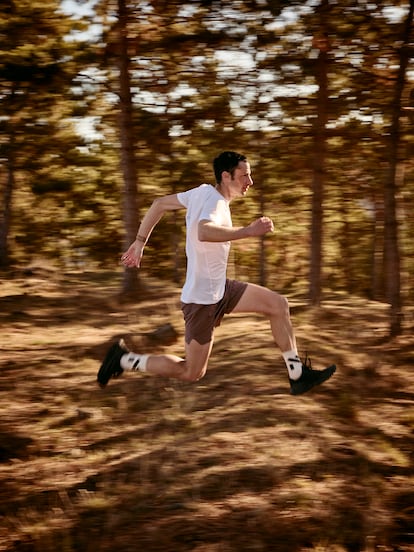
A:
(275, 307)
(191, 368)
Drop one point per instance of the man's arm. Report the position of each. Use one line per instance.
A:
(154, 214)
(132, 257)
(210, 232)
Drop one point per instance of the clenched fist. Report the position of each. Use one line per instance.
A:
(260, 226)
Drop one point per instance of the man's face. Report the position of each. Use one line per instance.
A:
(241, 181)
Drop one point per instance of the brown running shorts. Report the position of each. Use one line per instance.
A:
(200, 320)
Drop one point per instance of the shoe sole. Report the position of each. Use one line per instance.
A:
(110, 367)
(325, 375)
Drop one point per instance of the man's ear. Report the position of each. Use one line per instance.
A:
(225, 175)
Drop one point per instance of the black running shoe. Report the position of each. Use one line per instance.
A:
(111, 367)
(310, 378)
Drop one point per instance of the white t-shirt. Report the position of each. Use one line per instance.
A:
(206, 261)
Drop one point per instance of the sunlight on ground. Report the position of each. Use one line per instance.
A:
(233, 462)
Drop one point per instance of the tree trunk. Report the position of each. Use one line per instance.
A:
(319, 136)
(262, 242)
(391, 243)
(377, 265)
(5, 217)
(131, 282)
(5, 214)
(345, 243)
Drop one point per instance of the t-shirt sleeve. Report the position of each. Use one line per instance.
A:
(184, 197)
(199, 198)
(201, 203)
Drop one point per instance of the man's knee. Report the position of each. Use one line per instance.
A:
(196, 361)
(276, 304)
(193, 373)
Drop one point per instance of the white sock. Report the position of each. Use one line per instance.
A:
(133, 362)
(293, 364)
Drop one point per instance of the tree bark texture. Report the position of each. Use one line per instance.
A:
(319, 160)
(131, 282)
(391, 242)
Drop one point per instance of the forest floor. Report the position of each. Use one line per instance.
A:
(231, 463)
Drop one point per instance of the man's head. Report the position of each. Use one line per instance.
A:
(227, 161)
(233, 175)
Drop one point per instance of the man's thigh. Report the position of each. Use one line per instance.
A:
(259, 299)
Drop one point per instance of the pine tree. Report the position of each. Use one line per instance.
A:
(37, 66)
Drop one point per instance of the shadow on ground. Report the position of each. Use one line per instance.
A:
(231, 463)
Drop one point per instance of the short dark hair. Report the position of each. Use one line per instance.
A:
(226, 161)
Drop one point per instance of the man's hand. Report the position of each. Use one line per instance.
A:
(133, 256)
(260, 226)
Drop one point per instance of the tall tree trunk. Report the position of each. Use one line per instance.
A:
(391, 244)
(5, 214)
(262, 242)
(319, 155)
(344, 241)
(131, 282)
(6, 204)
(378, 272)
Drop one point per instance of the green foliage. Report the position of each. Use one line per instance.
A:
(57, 175)
(190, 101)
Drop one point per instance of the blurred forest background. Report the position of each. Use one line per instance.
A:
(106, 104)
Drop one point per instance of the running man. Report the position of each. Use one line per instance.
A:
(207, 293)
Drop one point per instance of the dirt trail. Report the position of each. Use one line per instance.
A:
(231, 463)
